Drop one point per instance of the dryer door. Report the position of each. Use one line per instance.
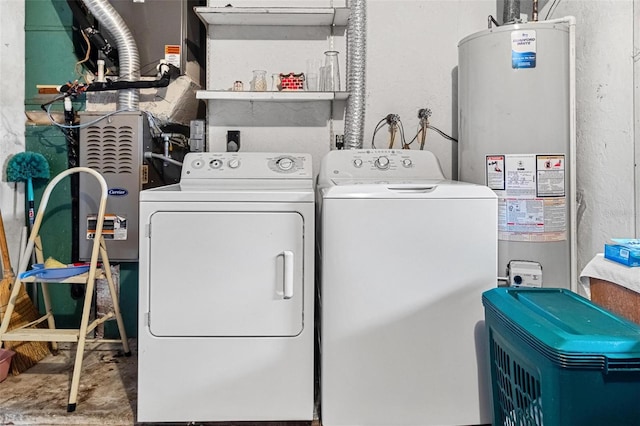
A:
(226, 274)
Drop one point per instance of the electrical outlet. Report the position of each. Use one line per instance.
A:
(233, 140)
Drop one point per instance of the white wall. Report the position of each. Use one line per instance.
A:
(12, 116)
(605, 121)
(411, 60)
(412, 55)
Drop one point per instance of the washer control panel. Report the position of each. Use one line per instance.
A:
(380, 163)
(246, 165)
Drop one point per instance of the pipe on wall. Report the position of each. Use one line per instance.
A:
(511, 12)
(128, 57)
(356, 75)
(573, 151)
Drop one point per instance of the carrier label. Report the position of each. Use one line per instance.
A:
(114, 227)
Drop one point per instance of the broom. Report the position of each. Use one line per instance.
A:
(27, 354)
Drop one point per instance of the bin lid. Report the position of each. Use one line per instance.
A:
(567, 325)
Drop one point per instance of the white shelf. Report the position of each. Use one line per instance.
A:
(282, 16)
(292, 96)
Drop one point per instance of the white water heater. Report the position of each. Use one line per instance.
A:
(515, 137)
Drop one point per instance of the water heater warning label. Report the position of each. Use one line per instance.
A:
(531, 196)
(523, 49)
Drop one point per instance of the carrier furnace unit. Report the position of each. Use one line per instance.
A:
(113, 146)
(515, 137)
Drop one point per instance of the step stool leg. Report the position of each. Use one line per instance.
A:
(6, 319)
(51, 322)
(114, 297)
(82, 339)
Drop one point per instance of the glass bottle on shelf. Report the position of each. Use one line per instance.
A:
(331, 71)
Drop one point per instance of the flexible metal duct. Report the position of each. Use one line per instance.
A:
(356, 79)
(511, 12)
(128, 57)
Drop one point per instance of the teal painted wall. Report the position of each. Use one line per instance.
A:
(49, 59)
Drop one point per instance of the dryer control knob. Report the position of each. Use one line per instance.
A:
(215, 164)
(357, 162)
(234, 163)
(407, 162)
(382, 163)
(285, 163)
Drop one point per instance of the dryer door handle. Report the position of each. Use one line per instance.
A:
(288, 274)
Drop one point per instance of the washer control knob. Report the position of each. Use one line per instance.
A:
(215, 164)
(382, 163)
(196, 164)
(357, 162)
(285, 163)
(407, 162)
(234, 163)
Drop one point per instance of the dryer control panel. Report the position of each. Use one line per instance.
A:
(246, 165)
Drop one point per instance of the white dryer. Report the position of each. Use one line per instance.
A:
(405, 256)
(226, 291)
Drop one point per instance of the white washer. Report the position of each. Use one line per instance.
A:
(226, 291)
(405, 256)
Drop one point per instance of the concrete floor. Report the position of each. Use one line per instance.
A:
(107, 394)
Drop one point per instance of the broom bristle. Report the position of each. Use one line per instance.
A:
(25, 165)
(27, 354)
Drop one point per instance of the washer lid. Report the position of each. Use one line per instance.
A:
(417, 189)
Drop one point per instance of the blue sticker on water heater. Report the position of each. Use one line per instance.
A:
(523, 49)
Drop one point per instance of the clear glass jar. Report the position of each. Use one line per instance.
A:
(259, 81)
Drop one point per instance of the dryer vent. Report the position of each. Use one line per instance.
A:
(114, 147)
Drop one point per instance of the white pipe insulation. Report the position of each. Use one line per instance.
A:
(128, 57)
(356, 75)
(573, 191)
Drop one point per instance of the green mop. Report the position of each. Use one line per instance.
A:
(24, 167)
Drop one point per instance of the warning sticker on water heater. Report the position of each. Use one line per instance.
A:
(531, 203)
(523, 49)
(495, 171)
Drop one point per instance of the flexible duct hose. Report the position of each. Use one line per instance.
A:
(128, 57)
(511, 12)
(356, 78)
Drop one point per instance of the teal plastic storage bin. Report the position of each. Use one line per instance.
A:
(559, 360)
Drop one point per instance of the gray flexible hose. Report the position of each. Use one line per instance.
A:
(356, 75)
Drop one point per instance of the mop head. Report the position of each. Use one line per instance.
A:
(27, 165)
